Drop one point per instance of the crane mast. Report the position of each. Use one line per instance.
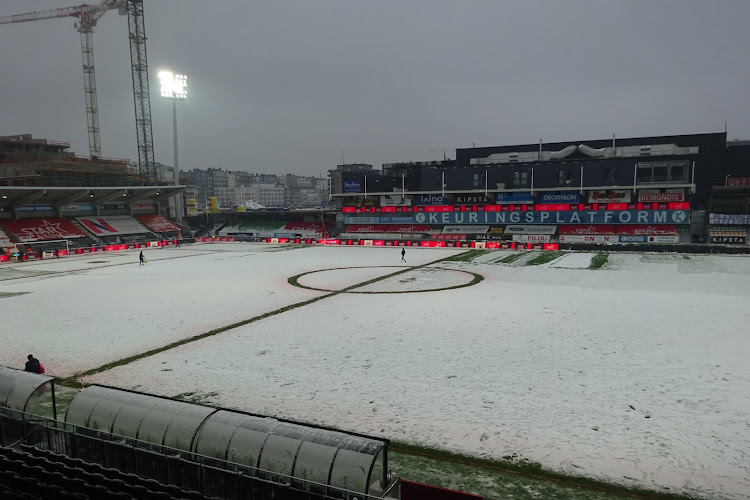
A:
(88, 16)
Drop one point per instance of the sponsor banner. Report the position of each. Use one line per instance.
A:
(41, 207)
(358, 202)
(569, 197)
(352, 186)
(496, 230)
(570, 217)
(328, 242)
(432, 199)
(284, 235)
(522, 229)
(665, 229)
(52, 228)
(450, 237)
(523, 198)
(365, 228)
(115, 206)
(81, 207)
(663, 239)
(532, 238)
(394, 200)
(465, 229)
(474, 199)
(729, 239)
(157, 223)
(589, 238)
(587, 229)
(551, 208)
(656, 196)
(143, 206)
(729, 219)
(412, 228)
(438, 208)
(610, 196)
(111, 225)
(633, 239)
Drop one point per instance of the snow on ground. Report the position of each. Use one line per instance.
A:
(574, 261)
(423, 279)
(80, 320)
(338, 279)
(635, 373)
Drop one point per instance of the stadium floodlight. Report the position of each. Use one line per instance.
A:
(173, 86)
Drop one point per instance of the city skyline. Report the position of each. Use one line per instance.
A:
(285, 87)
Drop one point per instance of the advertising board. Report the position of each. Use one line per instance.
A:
(584, 238)
(533, 217)
(633, 239)
(610, 196)
(394, 200)
(647, 230)
(587, 229)
(432, 199)
(38, 207)
(474, 199)
(657, 196)
(563, 197)
(663, 239)
(729, 239)
(450, 237)
(520, 198)
(353, 186)
(465, 229)
(524, 229)
(532, 238)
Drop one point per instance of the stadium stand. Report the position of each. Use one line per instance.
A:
(160, 225)
(40, 474)
(117, 229)
(37, 235)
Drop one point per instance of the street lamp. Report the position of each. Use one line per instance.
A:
(174, 87)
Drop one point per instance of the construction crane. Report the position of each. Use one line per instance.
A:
(88, 16)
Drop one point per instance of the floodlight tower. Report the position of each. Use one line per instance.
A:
(174, 88)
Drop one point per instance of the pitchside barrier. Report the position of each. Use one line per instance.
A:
(32, 255)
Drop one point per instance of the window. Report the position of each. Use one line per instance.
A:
(606, 173)
(476, 180)
(564, 176)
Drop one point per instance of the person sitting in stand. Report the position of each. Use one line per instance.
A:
(33, 365)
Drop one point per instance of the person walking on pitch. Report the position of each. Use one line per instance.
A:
(403, 255)
(141, 259)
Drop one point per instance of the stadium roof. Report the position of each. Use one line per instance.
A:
(17, 196)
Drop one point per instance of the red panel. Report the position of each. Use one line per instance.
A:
(587, 229)
(678, 205)
(348, 210)
(52, 228)
(389, 210)
(617, 206)
(561, 207)
(648, 230)
(366, 228)
(494, 208)
(438, 208)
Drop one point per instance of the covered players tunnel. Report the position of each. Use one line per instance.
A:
(27, 392)
(325, 456)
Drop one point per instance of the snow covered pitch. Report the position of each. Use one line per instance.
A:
(638, 372)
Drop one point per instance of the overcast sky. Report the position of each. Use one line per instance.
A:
(282, 86)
